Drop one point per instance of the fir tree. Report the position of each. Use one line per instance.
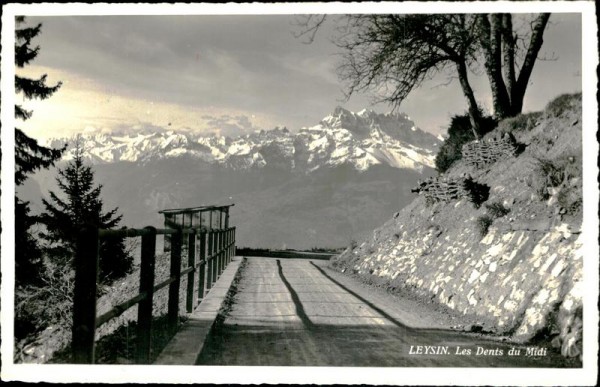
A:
(29, 155)
(81, 205)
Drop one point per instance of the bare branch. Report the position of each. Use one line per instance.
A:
(449, 79)
(308, 26)
(392, 54)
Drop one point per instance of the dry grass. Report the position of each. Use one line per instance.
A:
(521, 122)
(55, 339)
(561, 104)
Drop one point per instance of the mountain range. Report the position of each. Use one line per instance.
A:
(360, 139)
(321, 186)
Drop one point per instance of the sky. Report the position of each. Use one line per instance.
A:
(231, 74)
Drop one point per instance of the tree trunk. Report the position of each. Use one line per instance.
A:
(491, 42)
(516, 103)
(474, 113)
(535, 43)
(508, 54)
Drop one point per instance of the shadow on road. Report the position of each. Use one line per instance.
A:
(292, 313)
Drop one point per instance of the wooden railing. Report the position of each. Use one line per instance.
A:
(214, 248)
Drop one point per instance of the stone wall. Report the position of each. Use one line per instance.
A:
(513, 280)
(521, 274)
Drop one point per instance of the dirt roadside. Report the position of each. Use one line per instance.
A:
(419, 312)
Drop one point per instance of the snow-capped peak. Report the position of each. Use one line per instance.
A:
(360, 139)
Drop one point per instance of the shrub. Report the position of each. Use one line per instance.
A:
(496, 210)
(565, 173)
(49, 304)
(459, 133)
(478, 193)
(569, 198)
(522, 122)
(548, 173)
(561, 104)
(483, 224)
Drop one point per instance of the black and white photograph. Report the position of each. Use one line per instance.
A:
(381, 193)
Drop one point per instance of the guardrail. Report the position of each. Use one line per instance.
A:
(214, 247)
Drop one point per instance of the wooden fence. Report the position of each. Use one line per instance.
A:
(489, 150)
(443, 189)
(214, 248)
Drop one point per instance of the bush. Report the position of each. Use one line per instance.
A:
(561, 104)
(459, 133)
(483, 224)
(564, 173)
(548, 173)
(569, 198)
(49, 304)
(478, 193)
(496, 210)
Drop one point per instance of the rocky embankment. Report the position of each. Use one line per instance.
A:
(514, 261)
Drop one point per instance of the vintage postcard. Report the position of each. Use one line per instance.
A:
(329, 193)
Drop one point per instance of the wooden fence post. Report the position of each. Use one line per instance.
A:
(229, 250)
(229, 239)
(219, 253)
(190, 277)
(167, 238)
(210, 263)
(224, 251)
(84, 297)
(173, 303)
(233, 252)
(144, 329)
(214, 259)
(202, 268)
(225, 248)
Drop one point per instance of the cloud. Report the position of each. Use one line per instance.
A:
(244, 63)
(189, 69)
(83, 103)
(227, 125)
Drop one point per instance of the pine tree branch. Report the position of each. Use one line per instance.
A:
(35, 88)
(30, 157)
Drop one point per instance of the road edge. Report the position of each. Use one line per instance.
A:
(188, 342)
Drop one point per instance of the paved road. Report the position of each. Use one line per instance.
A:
(294, 312)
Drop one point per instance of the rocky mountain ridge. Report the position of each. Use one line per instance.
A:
(360, 139)
(322, 186)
